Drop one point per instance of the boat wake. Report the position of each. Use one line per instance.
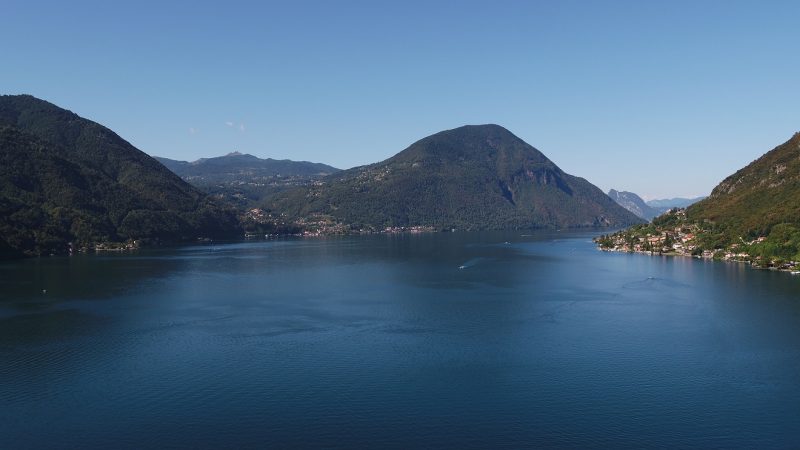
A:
(654, 283)
(470, 263)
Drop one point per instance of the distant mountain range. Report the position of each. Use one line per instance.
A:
(634, 204)
(650, 209)
(676, 202)
(65, 179)
(244, 179)
(237, 167)
(473, 177)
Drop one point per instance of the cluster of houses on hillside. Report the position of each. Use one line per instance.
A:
(680, 239)
(316, 225)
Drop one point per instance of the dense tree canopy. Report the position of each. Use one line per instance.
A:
(65, 179)
(473, 177)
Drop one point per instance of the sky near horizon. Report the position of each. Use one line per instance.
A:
(664, 99)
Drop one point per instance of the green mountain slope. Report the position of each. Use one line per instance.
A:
(761, 195)
(473, 177)
(752, 216)
(67, 179)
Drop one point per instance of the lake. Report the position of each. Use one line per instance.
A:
(484, 340)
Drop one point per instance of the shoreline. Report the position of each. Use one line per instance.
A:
(750, 264)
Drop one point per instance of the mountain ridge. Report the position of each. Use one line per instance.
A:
(675, 202)
(243, 179)
(245, 161)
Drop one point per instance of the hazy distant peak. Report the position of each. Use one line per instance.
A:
(648, 209)
(633, 203)
(677, 202)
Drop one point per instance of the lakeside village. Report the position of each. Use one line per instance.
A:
(672, 234)
(260, 223)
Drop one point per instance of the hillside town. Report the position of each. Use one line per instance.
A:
(259, 222)
(674, 235)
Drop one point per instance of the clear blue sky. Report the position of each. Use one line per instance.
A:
(663, 98)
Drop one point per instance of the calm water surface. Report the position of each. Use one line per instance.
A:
(540, 340)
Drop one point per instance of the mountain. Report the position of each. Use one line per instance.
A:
(752, 216)
(756, 198)
(634, 204)
(669, 203)
(649, 209)
(473, 177)
(235, 167)
(243, 179)
(65, 179)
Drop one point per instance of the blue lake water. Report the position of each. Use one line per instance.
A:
(384, 341)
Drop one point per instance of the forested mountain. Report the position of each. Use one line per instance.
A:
(634, 204)
(65, 179)
(759, 202)
(473, 177)
(236, 167)
(752, 215)
(243, 179)
(754, 199)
